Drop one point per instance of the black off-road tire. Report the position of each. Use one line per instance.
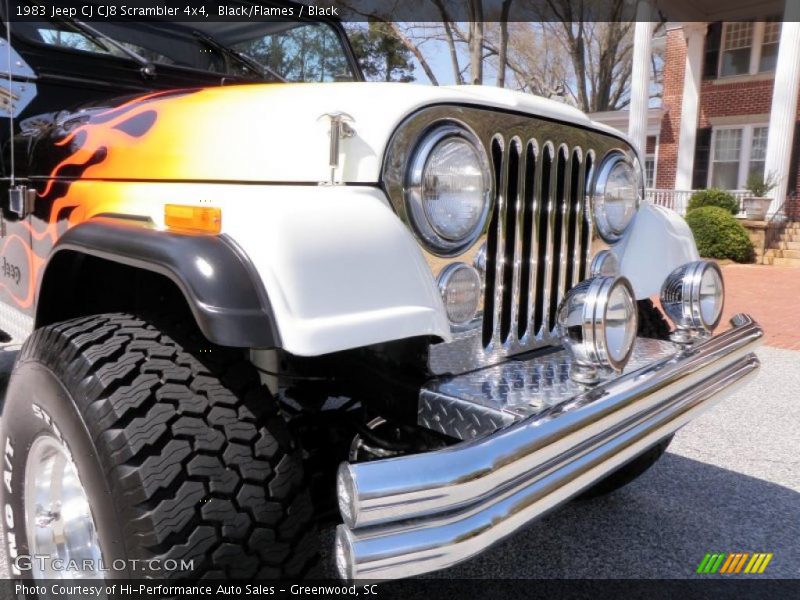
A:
(180, 449)
(652, 324)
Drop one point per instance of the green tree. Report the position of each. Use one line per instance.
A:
(381, 54)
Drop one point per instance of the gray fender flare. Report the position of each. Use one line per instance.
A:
(221, 287)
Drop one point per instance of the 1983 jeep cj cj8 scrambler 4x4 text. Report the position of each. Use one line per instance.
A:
(250, 287)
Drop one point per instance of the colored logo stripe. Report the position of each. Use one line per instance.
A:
(741, 562)
(758, 563)
(732, 558)
(729, 563)
(711, 563)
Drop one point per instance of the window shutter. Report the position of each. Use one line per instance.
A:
(713, 43)
(794, 163)
(702, 154)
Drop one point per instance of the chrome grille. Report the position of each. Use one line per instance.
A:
(539, 237)
(538, 242)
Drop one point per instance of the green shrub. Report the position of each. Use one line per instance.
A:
(714, 197)
(719, 235)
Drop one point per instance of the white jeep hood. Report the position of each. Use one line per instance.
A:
(377, 109)
(279, 132)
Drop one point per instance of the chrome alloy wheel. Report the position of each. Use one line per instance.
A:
(58, 517)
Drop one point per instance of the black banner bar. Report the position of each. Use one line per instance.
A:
(518, 589)
(388, 10)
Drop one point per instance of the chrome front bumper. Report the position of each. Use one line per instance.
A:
(414, 514)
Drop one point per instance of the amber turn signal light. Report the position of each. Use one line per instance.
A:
(202, 219)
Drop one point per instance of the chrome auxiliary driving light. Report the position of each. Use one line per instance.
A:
(597, 323)
(604, 263)
(460, 287)
(693, 296)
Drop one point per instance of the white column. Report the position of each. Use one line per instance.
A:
(783, 114)
(695, 34)
(640, 77)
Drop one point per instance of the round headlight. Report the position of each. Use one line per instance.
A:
(448, 189)
(616, 197)
(597, 323)
(693, 297)
(460, 287)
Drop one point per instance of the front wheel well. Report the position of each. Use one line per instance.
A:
(77, 284)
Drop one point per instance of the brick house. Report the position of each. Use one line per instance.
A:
(730, 100)
(734, 106)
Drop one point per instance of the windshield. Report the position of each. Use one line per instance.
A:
(292, 51)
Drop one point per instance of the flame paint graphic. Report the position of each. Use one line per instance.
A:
(99, 160)
(91, 145)
(94, 147)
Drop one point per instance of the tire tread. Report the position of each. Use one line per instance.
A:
(199, 462)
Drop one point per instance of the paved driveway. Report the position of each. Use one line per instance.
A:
(771, 295)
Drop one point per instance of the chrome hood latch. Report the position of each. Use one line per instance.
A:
(340, 128)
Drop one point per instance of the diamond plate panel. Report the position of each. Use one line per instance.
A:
(477, 403)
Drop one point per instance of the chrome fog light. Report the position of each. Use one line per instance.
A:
(460, 287)
(693, 297)
(597, 323)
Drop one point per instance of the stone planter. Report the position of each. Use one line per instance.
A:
(756, 208)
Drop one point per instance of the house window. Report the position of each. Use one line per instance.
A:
(736, 152)
(758, 151)
(749, 48)
(769, 47)
(737, 46)
(725, 164)
(649, 171)
(650, 161)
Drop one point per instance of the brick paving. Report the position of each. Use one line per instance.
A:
(771, 295)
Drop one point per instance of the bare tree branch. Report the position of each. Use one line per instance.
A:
(502, 54)
(451, 44)
(407, 42)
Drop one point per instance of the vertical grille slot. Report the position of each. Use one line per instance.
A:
(556, 251)
(491, 245)
(585, 233)
(528, 258)
(541, 224)
(573, 221)
(511, 252)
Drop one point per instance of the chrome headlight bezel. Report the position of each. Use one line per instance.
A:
(681, 300)
(434, 241)
(608, 231)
